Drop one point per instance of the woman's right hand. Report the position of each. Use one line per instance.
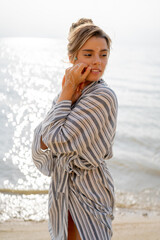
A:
(76, 75)
(76, 79)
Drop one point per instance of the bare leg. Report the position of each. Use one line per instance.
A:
(73, 233)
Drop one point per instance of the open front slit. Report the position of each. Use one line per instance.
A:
(73, 233)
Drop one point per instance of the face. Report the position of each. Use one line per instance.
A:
(94, 53)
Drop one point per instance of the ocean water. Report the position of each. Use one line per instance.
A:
(31, 72)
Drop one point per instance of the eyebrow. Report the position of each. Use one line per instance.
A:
(90, 50)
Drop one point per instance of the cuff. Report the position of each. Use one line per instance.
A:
(56, 118)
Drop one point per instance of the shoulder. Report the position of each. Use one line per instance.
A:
(102, 91)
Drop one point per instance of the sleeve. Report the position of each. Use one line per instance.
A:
(68, 130)
(44, 160)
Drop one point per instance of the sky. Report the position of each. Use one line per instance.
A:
(123, 20)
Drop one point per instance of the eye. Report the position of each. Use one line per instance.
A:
(104, 55)
(88, 55)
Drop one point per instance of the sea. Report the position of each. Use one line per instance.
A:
(31, 72)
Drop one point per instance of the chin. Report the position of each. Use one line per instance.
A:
(93, 78)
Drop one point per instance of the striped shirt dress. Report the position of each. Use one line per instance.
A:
(79, 138)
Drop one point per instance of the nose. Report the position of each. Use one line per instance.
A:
(96, 60)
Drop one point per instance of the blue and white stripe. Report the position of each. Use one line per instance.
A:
(79, 138)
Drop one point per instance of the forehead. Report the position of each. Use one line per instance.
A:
(95, 44)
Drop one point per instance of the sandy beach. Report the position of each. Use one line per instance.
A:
(133, 226)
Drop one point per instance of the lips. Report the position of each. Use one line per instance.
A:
(95, 70)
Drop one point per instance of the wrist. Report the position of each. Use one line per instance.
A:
(66, 93)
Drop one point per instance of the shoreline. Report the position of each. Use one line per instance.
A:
(128, 224)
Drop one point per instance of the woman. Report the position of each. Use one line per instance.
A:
(75, 139)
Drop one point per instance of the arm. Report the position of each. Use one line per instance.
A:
(66, 94)
(43, 160)
(77, 129)
(41, 154)
(70, 90)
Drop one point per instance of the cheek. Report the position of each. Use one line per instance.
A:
(105, 62)
(81, 60)
(104, 65)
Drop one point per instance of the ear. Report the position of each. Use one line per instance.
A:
(70, 59)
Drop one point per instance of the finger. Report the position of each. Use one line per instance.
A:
(86, 72)
(63, 81)
(75, 66)
(81, 85)
(72, 69)
(80, 66)
(68, 70)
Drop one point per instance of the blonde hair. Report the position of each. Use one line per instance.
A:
(80, 32)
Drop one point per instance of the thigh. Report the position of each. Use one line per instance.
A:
(73, 233)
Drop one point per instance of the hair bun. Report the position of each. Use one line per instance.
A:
(81, 21)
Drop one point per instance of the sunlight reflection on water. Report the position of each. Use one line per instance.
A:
(31, 77)
(28, 77)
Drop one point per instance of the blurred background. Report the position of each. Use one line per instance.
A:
(33, 59)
